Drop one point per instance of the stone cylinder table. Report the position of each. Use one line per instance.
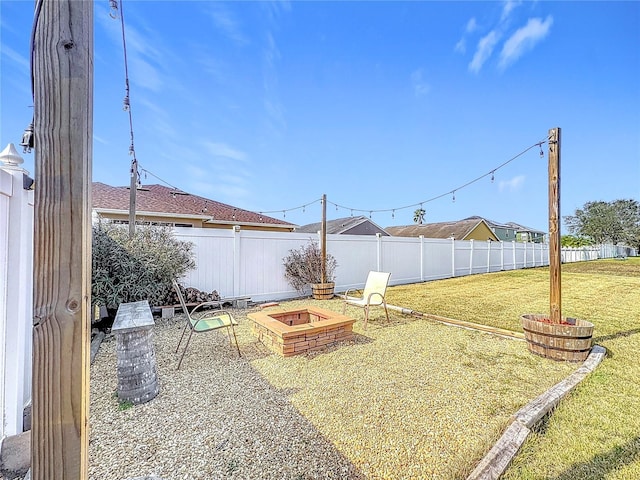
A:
(137, 374)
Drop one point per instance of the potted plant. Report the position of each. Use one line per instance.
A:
(303, 269)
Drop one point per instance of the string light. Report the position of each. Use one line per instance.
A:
(490, 173)
(113, 6)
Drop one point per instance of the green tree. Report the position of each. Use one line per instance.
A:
(574, 241)
(418, 216)
(603, 222)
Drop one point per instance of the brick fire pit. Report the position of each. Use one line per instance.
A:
(301, 330)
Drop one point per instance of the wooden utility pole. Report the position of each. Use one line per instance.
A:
(555, 258)
(323, 246)
(62, 65)
(133, 190)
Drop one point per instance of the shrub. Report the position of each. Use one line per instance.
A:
(139, 268)
(303, 266)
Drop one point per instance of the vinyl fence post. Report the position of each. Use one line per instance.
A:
(501, 255)
(488, 256)
(236, 260)
(379, 252)
(513, 248)
(453, 256)
(471, 257)
(421, 237)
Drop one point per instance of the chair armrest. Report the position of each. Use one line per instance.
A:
(375, 293)
(346, 294)
(217, 303)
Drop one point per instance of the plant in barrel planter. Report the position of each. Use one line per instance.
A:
(303, 269)
(554, 336)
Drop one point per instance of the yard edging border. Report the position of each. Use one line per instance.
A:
(496, 461)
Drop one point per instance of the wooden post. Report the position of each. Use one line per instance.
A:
(554, 226)
(63, 100)
(133, 190)
(323, 235)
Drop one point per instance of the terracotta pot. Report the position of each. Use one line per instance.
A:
(564, 341)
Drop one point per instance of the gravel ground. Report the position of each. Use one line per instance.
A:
(407, 399)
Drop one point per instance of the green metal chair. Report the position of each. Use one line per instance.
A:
(200, 324)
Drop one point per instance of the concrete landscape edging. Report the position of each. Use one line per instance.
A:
(496, 461)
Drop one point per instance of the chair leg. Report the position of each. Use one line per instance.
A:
(236, 339)
(185, 349)
(385, 309)
(366, 316)
(181, 337)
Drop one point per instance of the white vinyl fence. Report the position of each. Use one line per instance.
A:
(16, 285)
(239, 262)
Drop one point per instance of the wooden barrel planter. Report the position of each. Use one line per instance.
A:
(322, 291)
(569, 341)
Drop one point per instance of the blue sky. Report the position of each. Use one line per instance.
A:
(380, 105)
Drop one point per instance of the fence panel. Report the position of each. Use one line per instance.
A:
(437, 254)
(401, 256)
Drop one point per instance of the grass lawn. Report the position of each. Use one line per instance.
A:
(595, 432)
(408, 398)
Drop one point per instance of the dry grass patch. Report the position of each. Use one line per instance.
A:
(410, 398)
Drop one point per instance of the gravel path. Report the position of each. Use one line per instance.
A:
(405, 399)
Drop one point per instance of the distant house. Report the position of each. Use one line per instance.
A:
(346, 226)
(511, 231)
(474, 228)
(167, 206)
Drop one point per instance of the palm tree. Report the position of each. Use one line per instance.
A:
(418, 216)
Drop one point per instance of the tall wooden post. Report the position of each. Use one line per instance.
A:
(323, 234)
(133, 190)
(63, 100)
(555, 253)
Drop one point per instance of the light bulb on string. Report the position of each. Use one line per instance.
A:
(303, 208)
(113, 5)
(492, 176)
(126, 104)
(541, 152)
(352, 212)
(370, 213)
(284, 214)
(453, 198)
(393, 214)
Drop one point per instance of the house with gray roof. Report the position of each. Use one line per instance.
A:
(360, 225)
(467, 229)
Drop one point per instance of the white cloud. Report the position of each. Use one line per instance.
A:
(524, 39)
(224, 21)
(420, 86)
(511, 185)
(461, 46)
(15, 56)
(508, 7)
(472, 25)
(223, 150)
(484, 50)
